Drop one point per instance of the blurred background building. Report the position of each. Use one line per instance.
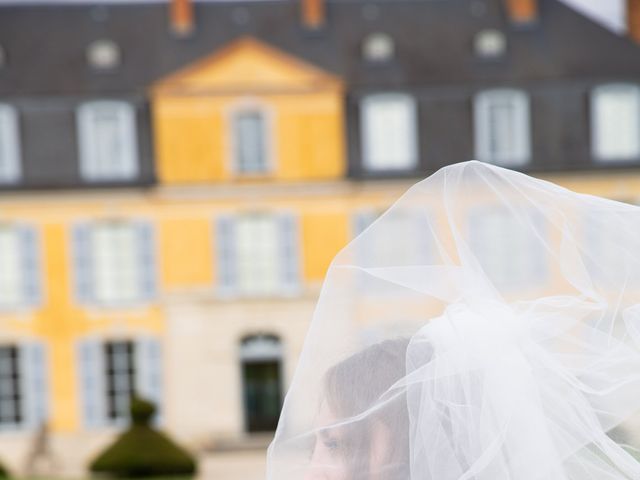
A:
(176, 177)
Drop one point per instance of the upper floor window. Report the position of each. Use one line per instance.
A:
(107, 136)
(502, 132)
(378, 47)
(23, 386)
(489, 44)
(389, 132)
(615, 122)
(257, 254)
(111, 370)
(114, 262)
(250, 141)
(20, 267)
(510, 254)
(9, 145)
(103, 54)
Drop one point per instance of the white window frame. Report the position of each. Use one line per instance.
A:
(368, 139)
(521, 154)
(598, 148)
(9, 145)
(268, 116)
(90, 170)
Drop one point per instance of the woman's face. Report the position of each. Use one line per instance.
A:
(331, 459)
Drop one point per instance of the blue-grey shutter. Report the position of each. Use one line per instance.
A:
(91, 369)
(82, 263)
(148, 372)
(33, 367)
(31, 265)
(289, 253)
(361, 222)
(226, 255)
(146, 246)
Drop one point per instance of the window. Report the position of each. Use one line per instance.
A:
(23, 390)
(261, 359)
(502, 132)
(250, 141)
(114, 263)
(411, 243)
(111, 370)
(107, 135)
(378, 47)
(490, 44)
(20, 272)
(510, 255)
(257, 254)
(10, 170)
(103, 55)
(11, 397)
(615, 122)
(389, 137)
(120, 377)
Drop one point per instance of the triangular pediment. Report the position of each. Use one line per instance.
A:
(247, 65)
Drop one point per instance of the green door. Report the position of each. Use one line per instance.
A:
(262, 397)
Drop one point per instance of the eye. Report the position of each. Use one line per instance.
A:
(331, 444)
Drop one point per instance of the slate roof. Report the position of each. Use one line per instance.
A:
(45, 44)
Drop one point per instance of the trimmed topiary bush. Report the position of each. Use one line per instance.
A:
(142, 451)
(3, 472)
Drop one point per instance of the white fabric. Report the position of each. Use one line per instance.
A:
(455, 373)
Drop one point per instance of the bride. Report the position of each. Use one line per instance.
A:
(498, 341)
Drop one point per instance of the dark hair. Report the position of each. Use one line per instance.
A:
(356, 384)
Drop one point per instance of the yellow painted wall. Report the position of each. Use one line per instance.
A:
(186, 260)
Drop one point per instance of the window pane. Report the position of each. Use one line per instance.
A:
(10, 391)
(389, 132)
(258, 260)
(117, 276)
(120, 374)
(249, 141)
(617, 122)
(502, 127)
(9, 145)
(108, 141)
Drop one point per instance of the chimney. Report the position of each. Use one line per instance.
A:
(313, 13)
(522, 11)
(181, 17)
(633, 19)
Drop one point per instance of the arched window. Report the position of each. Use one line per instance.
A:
(615, 122)
(502, 133)
(389, 132)
(261, 363)
(107, 141)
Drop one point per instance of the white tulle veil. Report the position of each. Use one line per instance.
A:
(497, 339)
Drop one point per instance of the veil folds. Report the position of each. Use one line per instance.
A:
(498, 339)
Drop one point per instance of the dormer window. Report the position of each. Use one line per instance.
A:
(103, 55)
(378, 47)
(615, 122)
(107, 141)
(489, 44)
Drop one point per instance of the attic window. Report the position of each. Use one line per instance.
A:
(490, 44)
(103, 55)
(378, 47)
